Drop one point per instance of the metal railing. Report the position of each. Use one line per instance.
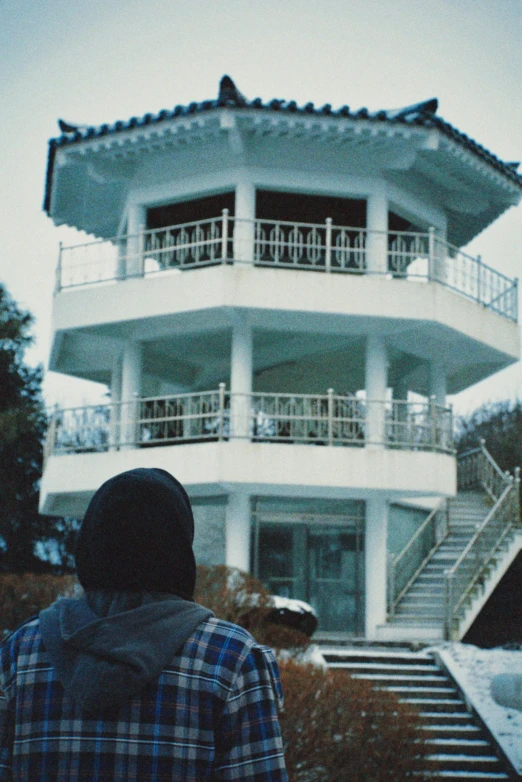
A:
(327, 419)
(477, 470)
(419, 426)
(321, 247)
(471, 568)
(403, 568)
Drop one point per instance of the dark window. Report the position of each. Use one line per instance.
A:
(190, 211)
(295, 207)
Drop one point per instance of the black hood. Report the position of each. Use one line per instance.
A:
(137, 536)
(102, 661)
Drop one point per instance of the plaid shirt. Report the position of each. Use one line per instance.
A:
(210, 716)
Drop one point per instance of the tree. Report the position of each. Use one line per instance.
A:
(22, 429)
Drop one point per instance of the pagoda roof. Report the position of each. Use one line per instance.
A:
(421, 114)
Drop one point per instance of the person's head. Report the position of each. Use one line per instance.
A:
(137, 536)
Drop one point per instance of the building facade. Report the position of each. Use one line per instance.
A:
(277, 299)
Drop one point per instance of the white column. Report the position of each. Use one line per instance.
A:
(375, 553)
(136, 222)
(116, 378)
(237, 533)
(376, 384)
(131, 374)
(241, 369)
(438, 384)
(245, 214)
(377, 225)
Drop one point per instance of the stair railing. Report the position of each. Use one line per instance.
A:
(476, 469)
(471, 568)
(404, 567)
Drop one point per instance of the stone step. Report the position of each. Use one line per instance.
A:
(438, 729)
(464, 762)
(458, 745)
(386, 679)
(436, 704)
(452, 718)
(382, 667)
(465, 776)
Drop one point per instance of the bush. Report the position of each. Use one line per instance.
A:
(22, 596)
(238, 597)
(336, 727)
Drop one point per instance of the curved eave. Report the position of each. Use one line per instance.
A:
(440, 158)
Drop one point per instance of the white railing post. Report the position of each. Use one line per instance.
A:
(224, 236)
(480, 280)
(330, 415)
(391, 586)
(433, 422)
(431, 253)
(221, 410)
(328, 256)
(58, 283)
(448, 604)
(50, 438)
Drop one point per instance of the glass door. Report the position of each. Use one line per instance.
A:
(335, 578)
(318, 562)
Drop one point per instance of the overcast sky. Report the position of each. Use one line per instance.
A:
(95, 61)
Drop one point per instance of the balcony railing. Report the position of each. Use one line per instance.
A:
(468, 575)
(327, 420)
(305, 246)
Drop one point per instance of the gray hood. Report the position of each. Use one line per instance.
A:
(102, 661)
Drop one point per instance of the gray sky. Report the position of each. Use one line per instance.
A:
(95, 61)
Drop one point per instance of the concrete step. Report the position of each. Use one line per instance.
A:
(458, 747)
(449, 718)
(438, 729)
(465, 762)
(409, 680)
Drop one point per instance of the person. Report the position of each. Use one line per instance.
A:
(134, 680)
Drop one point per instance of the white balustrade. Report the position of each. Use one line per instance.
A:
(327, 420)
(306, 246)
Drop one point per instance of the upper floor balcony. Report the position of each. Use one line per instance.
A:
(295, 419)
(315, 445)
(318, 247)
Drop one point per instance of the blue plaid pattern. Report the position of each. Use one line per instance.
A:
(210, 716)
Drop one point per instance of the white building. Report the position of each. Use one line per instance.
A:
(279, 304)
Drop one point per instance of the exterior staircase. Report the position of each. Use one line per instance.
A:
(460, 748)
(447, 571)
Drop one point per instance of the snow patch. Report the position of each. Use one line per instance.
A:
(297, 606)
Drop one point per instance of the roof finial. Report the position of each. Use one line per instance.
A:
(229, 94)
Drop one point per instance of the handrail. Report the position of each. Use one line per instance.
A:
(324, 247)
(480, 528)
(393, 599)
(478, 469)
(503, 489)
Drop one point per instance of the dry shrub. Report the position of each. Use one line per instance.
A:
(25, 595)
(238, 597)
(340, 729)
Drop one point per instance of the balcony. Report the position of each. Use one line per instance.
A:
(315, 420)
(324, 248)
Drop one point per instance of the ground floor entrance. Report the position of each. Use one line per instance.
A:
(314, 555)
